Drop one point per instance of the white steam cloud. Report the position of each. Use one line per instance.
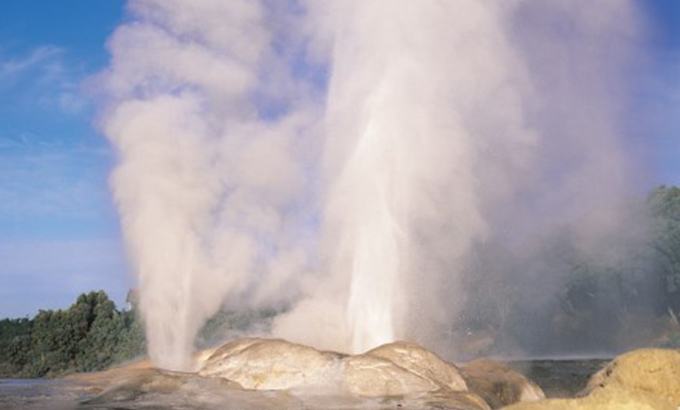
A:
(442, 124)
(208, 190)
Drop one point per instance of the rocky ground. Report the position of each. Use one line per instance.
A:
(276, 374)
(644, 379)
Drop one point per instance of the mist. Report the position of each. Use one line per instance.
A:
(365, 164)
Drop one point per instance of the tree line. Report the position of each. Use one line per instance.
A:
(90, 335)
(93, 334)
(553, 299)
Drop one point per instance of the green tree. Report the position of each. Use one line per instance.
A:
(664, 208)
(14, 343)
(91, 335)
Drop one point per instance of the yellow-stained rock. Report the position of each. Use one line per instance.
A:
(614, 398)
(656, 371)
(645, 379)
(498, 384)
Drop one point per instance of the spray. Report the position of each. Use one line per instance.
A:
(205, 186)
(356, 199)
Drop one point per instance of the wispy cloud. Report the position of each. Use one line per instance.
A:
(45, 76)
(22, 64)
(47, 167)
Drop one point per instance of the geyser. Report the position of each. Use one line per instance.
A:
(443, 126)
(398, 150)
(207, 189)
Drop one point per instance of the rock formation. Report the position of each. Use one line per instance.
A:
(498, 384)
(273, 373)
(645, 379)
(649, 370)
(276, 374)
(397, 369)
(269, 364)
(422, 362)
(369, 376)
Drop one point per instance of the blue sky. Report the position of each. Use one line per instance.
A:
(664, 101)
(58, 228)
(59, 233)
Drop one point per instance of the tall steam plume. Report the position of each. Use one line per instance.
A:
(444, 124)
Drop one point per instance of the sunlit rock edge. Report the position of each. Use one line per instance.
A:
(290, 374)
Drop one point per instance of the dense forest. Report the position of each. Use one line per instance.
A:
(93, 334)
(554, 298)
(90, 335)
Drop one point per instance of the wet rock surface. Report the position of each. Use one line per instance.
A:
(140, 382)
(499, 385)
(275, 374)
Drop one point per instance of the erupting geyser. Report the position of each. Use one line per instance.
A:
(442, 122)
(399, 147)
